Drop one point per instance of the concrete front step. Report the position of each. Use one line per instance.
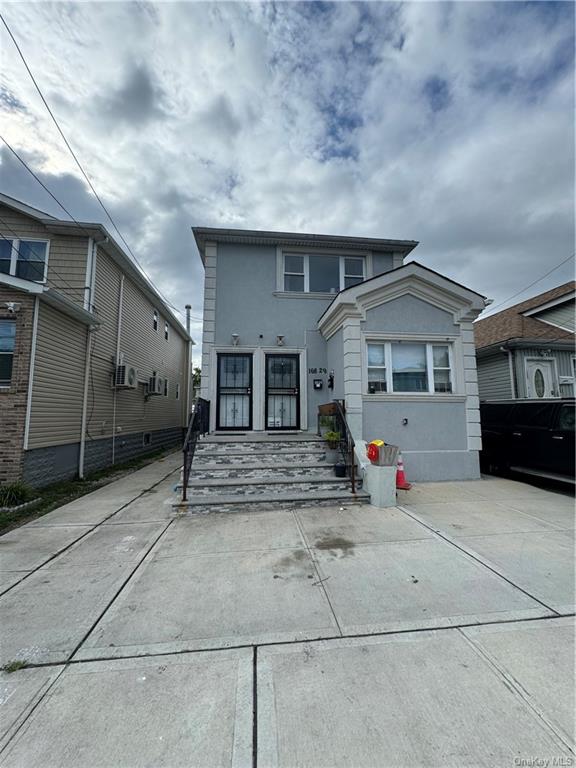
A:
(263, 448)
(279, 501)
(215, 471)
(204, 458)
(265, 486)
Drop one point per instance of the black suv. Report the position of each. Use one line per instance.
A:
(530, 436)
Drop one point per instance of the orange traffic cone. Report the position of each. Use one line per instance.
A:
(401, 482)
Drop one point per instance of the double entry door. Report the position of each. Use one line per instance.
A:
(236, 392)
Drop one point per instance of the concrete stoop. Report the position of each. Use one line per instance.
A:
(236, 475)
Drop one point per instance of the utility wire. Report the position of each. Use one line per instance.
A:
(60, 131)
(79, 224)
(77, 161)
(518, 293)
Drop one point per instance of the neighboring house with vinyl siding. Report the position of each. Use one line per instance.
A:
(94, 366)
(528, 350)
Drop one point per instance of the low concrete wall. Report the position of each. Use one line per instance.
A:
(422, 466)
(43, 466)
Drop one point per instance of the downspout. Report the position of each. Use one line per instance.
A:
(118, 336)
(89, 302)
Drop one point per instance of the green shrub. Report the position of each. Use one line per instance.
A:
(13, 494)
(332, 438)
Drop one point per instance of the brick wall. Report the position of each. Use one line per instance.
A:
(13, 401)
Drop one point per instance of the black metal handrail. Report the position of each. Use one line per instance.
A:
(198, 425)
(346, 444)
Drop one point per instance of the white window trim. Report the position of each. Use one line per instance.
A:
(14, 255)
(155, 320)
(429, 342)
(166, 331)
(363, 257)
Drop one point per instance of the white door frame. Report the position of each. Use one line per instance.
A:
(553, 369)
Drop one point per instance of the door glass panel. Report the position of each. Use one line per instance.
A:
(282, 392)
(234, 391)
(539, 384)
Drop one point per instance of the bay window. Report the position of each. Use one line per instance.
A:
(24, 258)
(406, 366)
(322, 273)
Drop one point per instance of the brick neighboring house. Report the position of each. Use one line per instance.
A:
(94, 366)
(528, 350)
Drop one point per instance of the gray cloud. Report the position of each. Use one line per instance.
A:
(136, 102)
(449, 123)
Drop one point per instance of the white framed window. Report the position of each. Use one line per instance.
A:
(7, 343)
(409, 366)
(322, 273)
(26, 258)
(155, 320)
(166, 331)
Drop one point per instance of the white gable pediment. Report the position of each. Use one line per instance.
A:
(410, 280)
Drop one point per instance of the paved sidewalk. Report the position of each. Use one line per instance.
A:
(436, 633)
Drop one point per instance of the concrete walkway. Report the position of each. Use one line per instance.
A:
(437, 633)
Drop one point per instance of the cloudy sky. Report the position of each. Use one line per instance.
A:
(447, 123)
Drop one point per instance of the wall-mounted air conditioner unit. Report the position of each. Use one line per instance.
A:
(156, 385)
(126, 377)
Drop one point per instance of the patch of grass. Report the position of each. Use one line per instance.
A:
(13, 494)
(14, 666)
(58, 494)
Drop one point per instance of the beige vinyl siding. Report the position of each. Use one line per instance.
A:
(57, 391)
(494, 377)
(149, 351)
(140, 346)
(67, 254)
(100, 393)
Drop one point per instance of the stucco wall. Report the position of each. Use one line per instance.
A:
(409, 314)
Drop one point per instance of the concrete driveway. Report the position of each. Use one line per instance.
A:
(437, 633)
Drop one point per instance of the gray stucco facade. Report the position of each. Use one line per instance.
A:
(256, 325)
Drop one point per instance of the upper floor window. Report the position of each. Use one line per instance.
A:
(155, 320)
(322, 273)
(26, 259)
(166, 328)
(396, 366)
(7, 340)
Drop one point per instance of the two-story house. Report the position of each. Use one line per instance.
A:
(292, 321)
(94, 365)
(528, 350)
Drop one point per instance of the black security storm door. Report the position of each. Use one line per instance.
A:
(282, 392)
(234, 401)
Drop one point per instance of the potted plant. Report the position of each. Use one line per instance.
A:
(332, 440)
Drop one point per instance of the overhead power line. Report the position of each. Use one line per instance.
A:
(78, 163)
(61, 132)
(518, 293)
